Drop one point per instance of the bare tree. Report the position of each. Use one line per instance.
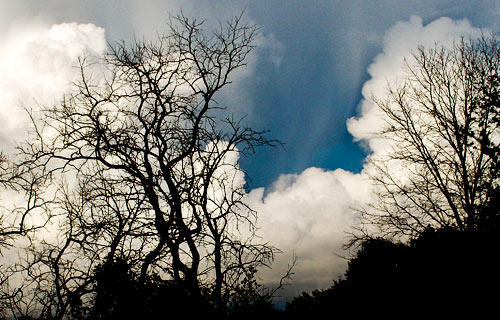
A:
(151, 166)
(24, 213)
(23, 218)
(442, 120)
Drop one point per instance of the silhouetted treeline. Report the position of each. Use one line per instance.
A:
(443, 271)
(120, 294)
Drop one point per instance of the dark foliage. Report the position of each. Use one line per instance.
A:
(490, 218)
(120, 294)
(443, 271)
(251, 301)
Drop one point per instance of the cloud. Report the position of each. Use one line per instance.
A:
(306, 213)
(403, 38)
(37, 65)
(309, 213)
(37, 60)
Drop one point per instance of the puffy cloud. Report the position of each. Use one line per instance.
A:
(402, 39)
(311, 212)
(21, 22)
(37, 65)
(308, 215)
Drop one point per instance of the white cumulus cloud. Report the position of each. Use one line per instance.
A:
(309, 213)
(402, 39)
(37, 65)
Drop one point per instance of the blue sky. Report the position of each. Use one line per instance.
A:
(314, 67)
(324, 48)
(327, 47)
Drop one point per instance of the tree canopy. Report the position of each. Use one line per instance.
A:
(442, 123)
(146, 167)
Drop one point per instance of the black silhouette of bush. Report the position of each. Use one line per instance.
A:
(119, 294)
(443, 271)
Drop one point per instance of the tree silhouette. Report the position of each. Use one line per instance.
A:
(146, 167)
(120, 294)
(442, 119)
(443, 272)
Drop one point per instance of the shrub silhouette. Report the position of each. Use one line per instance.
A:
(120, 295)
(443, 271)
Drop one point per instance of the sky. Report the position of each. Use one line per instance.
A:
(309, 82)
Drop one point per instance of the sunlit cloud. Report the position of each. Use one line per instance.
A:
(311, 213)
(402, 39)
(307, 214)
(37, 65)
